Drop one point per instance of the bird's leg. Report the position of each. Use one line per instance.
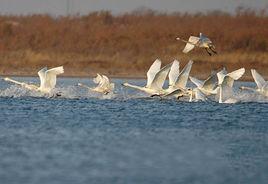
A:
(208, 52)
(155, 95)
(55, 95)
(213, 50)
(179, 96)
(59, 94)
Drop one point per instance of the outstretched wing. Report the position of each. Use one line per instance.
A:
(174, 72)
(160, 78)
(155, 67)
(42, 76)
(204, 38)
(221, 74)
(105, 83)
(175, 92)
(106, 79)
(190, 44)
(51, 75)
(228, 80)
(237, 73)
(184, 75)
(259, 80)
(196, 81)
(97, 79)
(211, 82)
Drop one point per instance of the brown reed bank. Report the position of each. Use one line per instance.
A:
(125, 45)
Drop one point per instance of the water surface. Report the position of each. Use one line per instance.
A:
(128, 138)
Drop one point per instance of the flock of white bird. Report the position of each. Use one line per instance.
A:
(215, 85)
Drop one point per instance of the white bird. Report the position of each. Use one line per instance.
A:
(208, 86)
(47, 77)
(226, 81)
(155, 79)
(205, 88)
(178, 80)
(202, 41)
(262, 85)
(104, 85)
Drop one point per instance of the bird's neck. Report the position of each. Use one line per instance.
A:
(133, 86)
(220, 98)
(248, 88)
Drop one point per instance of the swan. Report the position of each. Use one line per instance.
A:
(47, 80)
(202, 41)
(208, 86)
(155, 79)
(262, 85)
(205, 88)
(226, 81)
(178, 80)
(104, 85)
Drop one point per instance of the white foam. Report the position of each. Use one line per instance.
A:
(73, 92)
(17, 91)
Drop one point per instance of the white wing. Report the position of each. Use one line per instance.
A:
(50, 77)
(184, 75)
(42, 76)
(211, 82)
(237, 73)
(228, 80)
(197, 82)
(259, 80)
(191, 44)
(155, 67)
(106, 79)
(107, 86)
(105, 82)
(97, 79)
(175, 92)
(221, 74)
(174, 72)
(160, 78)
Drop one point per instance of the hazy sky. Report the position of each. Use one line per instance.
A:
(59, 7)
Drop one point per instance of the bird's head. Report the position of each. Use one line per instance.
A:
(125, 84)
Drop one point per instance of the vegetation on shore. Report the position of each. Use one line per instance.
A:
(125, 45)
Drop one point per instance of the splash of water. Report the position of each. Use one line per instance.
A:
(17, 91)
(73, 92)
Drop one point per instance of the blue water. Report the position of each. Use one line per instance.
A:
(127, 138)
